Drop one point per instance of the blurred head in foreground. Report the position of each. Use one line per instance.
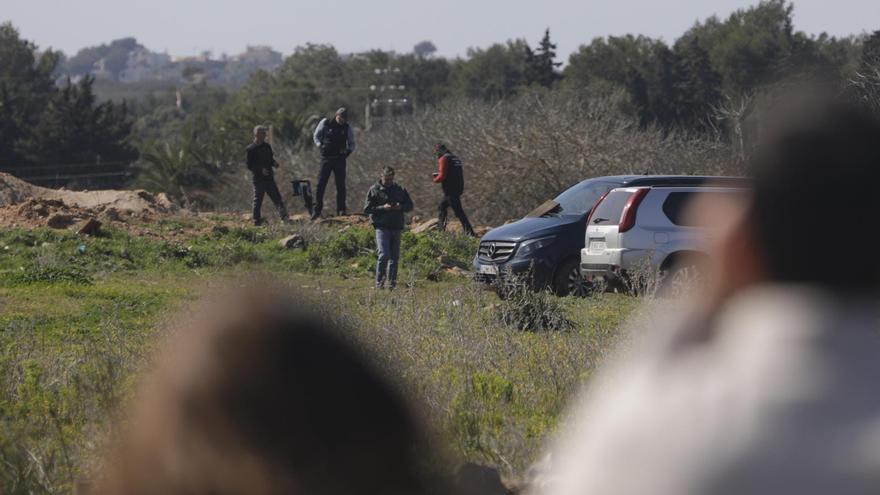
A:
(769, 386)
(810, 217)
(258, 397)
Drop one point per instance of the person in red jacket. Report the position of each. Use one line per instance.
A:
(451, 177)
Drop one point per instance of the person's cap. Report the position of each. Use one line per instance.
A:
(342, 112)
(387, 171)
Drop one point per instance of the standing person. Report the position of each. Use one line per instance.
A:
(450, 176)
(386, 203)
(261, 161)
(770, 385)
(335, 138)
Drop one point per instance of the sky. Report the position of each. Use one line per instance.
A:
(189, 27)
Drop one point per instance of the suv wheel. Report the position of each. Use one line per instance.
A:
(568, 280)
(681, 280)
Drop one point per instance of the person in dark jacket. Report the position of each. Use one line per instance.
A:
(450, 176)
(386, 203)
(261, 161)
(335, 138)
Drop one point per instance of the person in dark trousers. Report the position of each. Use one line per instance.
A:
(261, 161)
(451, 177)
(335, 138)
(386, 203)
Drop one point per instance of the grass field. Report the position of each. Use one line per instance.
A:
(79, 318)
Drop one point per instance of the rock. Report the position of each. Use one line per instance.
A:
(458, 271)
(60, 221)
(293, 241)
(111, 215)
(476, 479)
(165, 202)
(89, 227)
(447, 262)
(426, 226)
(300, 217)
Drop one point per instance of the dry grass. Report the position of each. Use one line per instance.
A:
(517, 153)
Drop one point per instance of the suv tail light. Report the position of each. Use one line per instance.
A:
(628, 215)
(593, 209)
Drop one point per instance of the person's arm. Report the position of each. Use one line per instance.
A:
(407, 204)
(318, 137)
(443, 163)
(251, 164)
(350, 138)
(370, 207)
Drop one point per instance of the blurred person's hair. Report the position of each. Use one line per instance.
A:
(261, 397)
(816, 195)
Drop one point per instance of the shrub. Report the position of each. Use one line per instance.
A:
(524, 309)
(35, 273)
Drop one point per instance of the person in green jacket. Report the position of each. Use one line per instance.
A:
(386, 203)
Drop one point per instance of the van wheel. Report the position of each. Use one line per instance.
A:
(568, 280)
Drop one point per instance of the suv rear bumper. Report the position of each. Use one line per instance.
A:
(601, 264)
(612, 264)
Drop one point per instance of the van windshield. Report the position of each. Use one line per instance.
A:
(608, 212)
(580, 198)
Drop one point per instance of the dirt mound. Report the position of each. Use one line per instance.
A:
(14, 191)
(418, 226)
(26, 205)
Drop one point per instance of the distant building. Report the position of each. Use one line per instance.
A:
(263, 57)
(143, 64)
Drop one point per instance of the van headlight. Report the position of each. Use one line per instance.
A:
(528, 247)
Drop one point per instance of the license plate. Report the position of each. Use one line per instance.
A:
(489, 269)
(597, 246)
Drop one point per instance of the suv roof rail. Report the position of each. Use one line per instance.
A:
(695, 180)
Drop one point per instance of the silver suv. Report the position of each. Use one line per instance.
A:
(645, 228)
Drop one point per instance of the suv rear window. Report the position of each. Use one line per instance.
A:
(609, 210)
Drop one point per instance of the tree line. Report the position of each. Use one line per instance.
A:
(189, 137)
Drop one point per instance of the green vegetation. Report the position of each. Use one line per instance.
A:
(189, 136)
(32, 108)
(80, 316)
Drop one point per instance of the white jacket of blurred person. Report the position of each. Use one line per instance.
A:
(779, 393)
